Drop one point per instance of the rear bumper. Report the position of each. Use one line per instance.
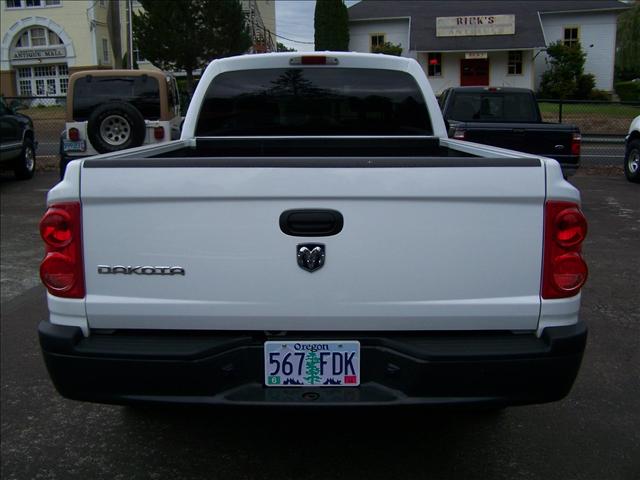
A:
(223, 368)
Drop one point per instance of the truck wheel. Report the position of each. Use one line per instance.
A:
(116, 126)
(632, 162)
(26, 163)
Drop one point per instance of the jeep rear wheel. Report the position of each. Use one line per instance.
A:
(115, 130)
(116, 126)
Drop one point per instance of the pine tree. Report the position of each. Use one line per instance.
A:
(331, 23)
(311, 368)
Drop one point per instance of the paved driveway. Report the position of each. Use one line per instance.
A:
(593, 434)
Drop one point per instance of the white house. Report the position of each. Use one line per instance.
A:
(489, 42)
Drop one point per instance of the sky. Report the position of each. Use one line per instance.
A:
(294, 20)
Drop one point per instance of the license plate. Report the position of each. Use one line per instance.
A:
(74, 146)
(321, 363)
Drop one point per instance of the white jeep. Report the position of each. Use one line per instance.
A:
(111, 110)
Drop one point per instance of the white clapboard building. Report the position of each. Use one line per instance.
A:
(495, 43)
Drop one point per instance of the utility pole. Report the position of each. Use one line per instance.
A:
(130, 31)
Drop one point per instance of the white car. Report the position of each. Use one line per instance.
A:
(632, 152)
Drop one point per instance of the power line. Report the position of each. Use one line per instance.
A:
(290, 39)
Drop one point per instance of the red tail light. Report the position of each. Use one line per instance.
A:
(74, 134)
(575, 144)
(158, 133)
(61, 271)
(313, 60)
(564, 269)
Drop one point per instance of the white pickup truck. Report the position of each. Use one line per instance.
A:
(314, 238)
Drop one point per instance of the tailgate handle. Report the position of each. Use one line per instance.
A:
(311, 222)
(518, 130)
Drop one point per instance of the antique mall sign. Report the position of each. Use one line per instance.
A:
(38, 53)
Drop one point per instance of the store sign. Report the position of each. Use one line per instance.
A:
(476, 56)
(475, 25)
(38, 53)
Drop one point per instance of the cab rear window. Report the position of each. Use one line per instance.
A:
(496, 107)
(143, 92)
(314, 101)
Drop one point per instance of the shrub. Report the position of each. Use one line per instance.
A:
(388, 48)
(596, 94)
(585, 83)
(565, 77)
(628, 91)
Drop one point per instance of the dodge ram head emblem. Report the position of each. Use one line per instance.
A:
(310, 256)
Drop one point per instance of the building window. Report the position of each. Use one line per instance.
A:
(44, 80)
(25, 88)
(32, 3)
(377, 40)
(103, 3)
(515, 63)
(571, 36)
(23, 41)
(434, 64)
(38, 37)
(105, 50)
(54, 39)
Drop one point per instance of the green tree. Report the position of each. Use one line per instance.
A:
(388, 48)
(565, 77)
(312, 370)
(187, 35)
(628, 52)
(281, 47)
(331, 24)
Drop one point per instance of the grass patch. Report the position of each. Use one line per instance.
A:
(588, 109)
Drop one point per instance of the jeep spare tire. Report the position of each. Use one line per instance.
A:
(116, 126)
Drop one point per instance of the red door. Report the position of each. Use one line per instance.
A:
(474, 73)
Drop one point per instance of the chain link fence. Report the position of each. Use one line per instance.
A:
(603, 125)
(48, 115)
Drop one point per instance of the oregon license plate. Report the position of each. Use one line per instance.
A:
(321, 363)
(74, 146)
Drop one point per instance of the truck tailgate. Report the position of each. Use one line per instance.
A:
(422, 247)
(545, 139)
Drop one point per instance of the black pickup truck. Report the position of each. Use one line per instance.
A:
(509, 118)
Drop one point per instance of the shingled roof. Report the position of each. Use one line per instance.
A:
(528, 30)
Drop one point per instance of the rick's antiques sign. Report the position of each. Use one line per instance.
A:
(475, 25)
(40, 53)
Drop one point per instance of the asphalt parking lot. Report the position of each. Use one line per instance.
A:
(593, 434)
